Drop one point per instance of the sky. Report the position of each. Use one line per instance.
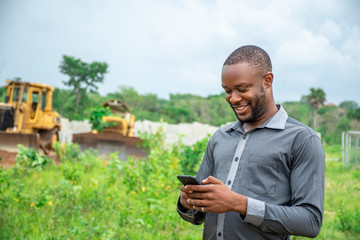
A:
(169, 47)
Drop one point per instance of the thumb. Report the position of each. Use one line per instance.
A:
(212, 180)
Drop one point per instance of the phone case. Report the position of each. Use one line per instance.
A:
(188, 180)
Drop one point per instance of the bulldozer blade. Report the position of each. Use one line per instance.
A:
(108, 142)
(9, 145)
(9, 141)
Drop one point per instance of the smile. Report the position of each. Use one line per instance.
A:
(240, 107)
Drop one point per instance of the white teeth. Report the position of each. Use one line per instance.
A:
(240, 108)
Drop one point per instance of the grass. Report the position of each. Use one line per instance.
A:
(52, 207)
(96, 199)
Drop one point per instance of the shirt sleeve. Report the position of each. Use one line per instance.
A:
(192, 216)
(305, 213)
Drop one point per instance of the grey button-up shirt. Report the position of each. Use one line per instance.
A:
(279, 166)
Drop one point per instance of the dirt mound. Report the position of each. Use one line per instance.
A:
(7, 158)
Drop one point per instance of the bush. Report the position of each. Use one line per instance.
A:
(29, 158)
(68, 152)
(158, 169)
(96, 118)
(347, 220)
(191, 156)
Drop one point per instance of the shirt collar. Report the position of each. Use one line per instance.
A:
(277, 121)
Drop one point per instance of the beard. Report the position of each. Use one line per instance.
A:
(257, 109)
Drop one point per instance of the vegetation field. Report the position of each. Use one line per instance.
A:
(86, 197)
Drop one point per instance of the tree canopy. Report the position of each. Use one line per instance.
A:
(316, 99)
(213, 110)
(83, 77)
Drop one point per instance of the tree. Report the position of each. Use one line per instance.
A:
(2, 94)
(316, 100)
(83, 77)
(354, 114)
(301, 111)
(17, 79)
(349, 105)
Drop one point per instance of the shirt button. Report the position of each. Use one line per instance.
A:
(236, 159)
(219, 234)
(229, 182)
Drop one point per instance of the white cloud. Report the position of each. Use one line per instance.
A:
(179, 46)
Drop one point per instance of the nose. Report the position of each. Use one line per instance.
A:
(235, 97)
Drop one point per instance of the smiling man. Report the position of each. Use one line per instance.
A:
(263, 175)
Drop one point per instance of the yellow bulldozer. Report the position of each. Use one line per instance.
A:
(117, 138)
(27, 117)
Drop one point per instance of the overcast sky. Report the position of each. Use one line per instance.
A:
(164, 47)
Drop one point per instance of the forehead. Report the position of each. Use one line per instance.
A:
(238, 72)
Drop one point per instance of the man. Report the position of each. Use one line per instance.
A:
(263, 175)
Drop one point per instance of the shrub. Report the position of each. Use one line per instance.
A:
(96, 118)
(72, 171)
(68, 152)
(29, 158)
(191, 156)
(347, 220)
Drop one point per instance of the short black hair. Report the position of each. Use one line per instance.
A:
(256, 57)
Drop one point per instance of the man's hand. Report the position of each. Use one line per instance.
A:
(184, 196)
(214, 197)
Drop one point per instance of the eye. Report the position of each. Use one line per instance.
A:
(226, 90)
(243, 90)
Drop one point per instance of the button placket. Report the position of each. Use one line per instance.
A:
(230, 180)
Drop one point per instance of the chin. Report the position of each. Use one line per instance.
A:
(243, 118)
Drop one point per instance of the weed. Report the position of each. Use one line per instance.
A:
(86, 197)
(29, 158)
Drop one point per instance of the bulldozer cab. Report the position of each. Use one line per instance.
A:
(122, 118)
(32, 106)
(27, 118)
(37, 102)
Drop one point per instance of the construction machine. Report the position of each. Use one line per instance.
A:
(27, 117)
(118, 137)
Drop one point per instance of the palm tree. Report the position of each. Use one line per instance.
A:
(316, 100)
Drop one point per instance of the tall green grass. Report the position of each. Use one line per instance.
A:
(86, 197)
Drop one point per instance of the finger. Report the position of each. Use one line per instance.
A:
(198, 195)
(197, 188)
(185, 189)
(183, 201)
(184, 195)
(197, 202)
(212, 180)
(200, 209)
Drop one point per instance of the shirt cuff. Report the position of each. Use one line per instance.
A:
(192, 216)
(255, 212)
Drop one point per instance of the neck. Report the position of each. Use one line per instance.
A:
(266, 116)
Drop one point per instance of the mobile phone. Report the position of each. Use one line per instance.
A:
(188, 180)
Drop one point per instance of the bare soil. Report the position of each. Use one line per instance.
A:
(7, 159)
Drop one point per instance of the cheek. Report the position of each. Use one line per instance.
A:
(227, 97)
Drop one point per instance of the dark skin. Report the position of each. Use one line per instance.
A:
(250, 95)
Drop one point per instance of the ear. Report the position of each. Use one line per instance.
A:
(268, 79)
